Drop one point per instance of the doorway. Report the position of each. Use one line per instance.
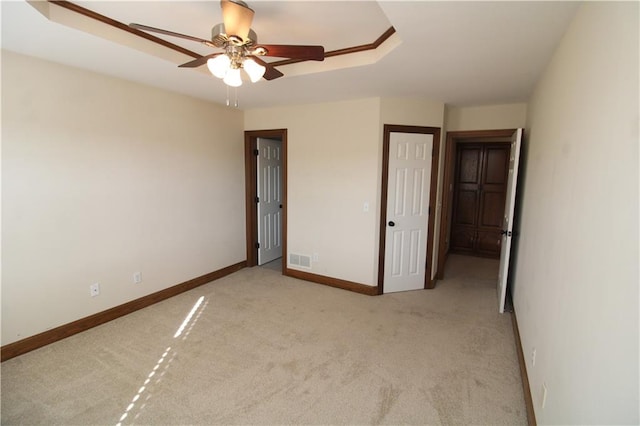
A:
(479, 138)
(266, 224)
(479, 189)
(409, 177)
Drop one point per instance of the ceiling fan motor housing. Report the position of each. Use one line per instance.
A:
(220, 38)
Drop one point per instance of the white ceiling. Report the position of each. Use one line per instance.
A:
(461, 53)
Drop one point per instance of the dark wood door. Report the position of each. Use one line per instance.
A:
(478, 199)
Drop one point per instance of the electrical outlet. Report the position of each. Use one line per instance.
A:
(137, 277)
(533, 357)
(365, 207)
(316, 257)
(94, 289)
(544, 394)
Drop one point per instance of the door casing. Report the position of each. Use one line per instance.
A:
(388, 129)
(251, 190)
(452, 140)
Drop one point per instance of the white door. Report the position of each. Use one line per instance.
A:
(269, 200)
(409, 183)
(507, 222)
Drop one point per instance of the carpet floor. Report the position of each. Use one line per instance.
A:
(259, 348)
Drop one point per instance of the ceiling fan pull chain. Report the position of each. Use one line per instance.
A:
(236, 102)
(227, 95)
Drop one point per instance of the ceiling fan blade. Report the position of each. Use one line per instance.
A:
(271, 72)
(237, 18)
(309, 53)
(198, 62)
(170, 33)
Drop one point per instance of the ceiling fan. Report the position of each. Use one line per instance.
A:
(240, 47)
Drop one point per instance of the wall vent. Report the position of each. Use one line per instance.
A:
(305, 261)
(301, 260)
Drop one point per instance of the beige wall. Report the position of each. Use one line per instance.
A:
(102, 178)
(487, 117)
(576, 282)
(334, 167)
(411, 112)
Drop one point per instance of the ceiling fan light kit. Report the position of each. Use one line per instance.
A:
(219, 65)
(241, 51)
(233, 78)
(227, 67)
(254, 70)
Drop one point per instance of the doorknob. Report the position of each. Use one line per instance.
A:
(392, 223)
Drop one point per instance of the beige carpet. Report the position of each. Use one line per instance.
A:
(265, 349)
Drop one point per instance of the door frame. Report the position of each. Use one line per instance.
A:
(251, 190)
(451, 144)
(393, 128)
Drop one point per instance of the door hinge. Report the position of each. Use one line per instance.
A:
(257, 199)
(256, 152)
(257, 245)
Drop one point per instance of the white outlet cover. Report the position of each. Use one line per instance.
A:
(94, 289)
(533, 358)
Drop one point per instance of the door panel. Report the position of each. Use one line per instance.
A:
(463, 239)
(396, 253)
(496, 159)
(269, 200)
(467, 207)
(469, 165)
(401, 192)
(409, 184)
(487, 242)
(419, 192)
(492, 209)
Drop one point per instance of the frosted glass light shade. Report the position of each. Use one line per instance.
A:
(219, 66)
(233, 77)
(253, 69)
